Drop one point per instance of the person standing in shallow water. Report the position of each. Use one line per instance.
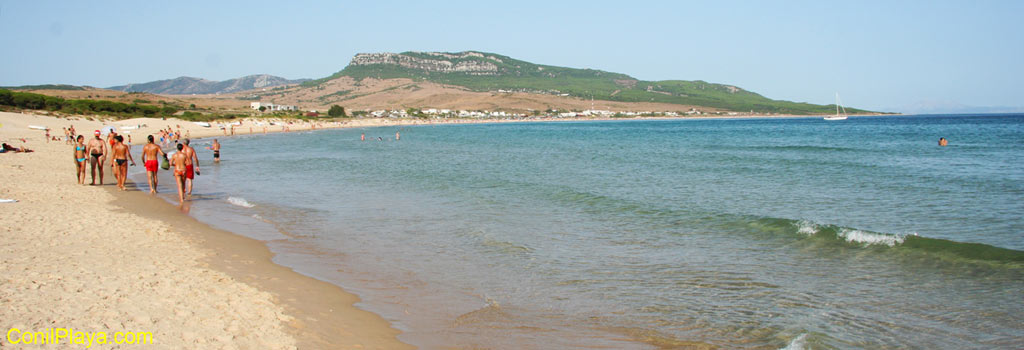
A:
(216, 150)
(191, 166)
(178, 161)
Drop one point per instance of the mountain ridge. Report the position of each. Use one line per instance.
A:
(490, 72)
(185, 85)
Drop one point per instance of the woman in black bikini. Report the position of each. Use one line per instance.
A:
(121, 156)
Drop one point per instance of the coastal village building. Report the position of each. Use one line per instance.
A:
(272, 107)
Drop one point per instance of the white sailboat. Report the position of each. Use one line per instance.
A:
(838, 106)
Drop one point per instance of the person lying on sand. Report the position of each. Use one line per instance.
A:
(9, 148)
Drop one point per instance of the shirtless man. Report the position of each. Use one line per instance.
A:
(97, 150)
(191, 163)
(216, 151)
(178, 162)
(943, 142)
(122, 154)
(151, 162)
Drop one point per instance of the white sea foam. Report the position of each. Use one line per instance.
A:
(806, 227)
(870, 238)
(798, 343)
(239, 201)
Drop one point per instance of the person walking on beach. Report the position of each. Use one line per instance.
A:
(122, 154)
(178, 161)
(151, 162)
(80, 158)
(97, 150)
(216, 151)
(191, 166)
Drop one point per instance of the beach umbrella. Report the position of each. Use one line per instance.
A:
(108, 129)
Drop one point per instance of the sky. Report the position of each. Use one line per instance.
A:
(906, 56)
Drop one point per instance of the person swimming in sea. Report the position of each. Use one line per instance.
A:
(943, 142)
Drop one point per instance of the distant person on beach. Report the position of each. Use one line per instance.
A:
(191, 166)
(151, 162)
(178, 161)
(362, 137)
(80, 158)
(112, 141)
(397, 136)
(122, 154)
(943, 142)
(216, 151)
(97, 150)
(12, 149)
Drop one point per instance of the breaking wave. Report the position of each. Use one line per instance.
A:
(241, 202)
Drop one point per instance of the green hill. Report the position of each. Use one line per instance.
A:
(481, 71)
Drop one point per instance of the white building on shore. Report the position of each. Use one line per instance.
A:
(272, 107)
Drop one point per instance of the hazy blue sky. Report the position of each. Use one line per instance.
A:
(879, 55)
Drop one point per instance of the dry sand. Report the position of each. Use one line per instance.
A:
(73, 256)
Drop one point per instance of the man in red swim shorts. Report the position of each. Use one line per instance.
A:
(149, 153)
(191, 167)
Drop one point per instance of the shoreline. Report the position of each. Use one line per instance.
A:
(103, 260)
(324, 314)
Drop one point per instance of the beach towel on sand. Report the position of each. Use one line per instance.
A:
(8, 200)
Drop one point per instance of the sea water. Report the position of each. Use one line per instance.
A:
(752, 233)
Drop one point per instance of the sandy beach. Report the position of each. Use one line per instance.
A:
(93, 259)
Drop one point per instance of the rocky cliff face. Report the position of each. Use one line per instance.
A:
(473, 63)
(189, 85)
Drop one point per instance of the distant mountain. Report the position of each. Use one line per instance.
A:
(480, 71)
(189, 85)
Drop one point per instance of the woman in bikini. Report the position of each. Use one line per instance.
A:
(122, 154)
(80, 158)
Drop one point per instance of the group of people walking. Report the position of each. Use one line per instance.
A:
(96, 152)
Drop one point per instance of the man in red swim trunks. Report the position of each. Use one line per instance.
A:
(149, 158)
(191, 167)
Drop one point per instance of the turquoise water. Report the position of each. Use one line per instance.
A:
(759, 233)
